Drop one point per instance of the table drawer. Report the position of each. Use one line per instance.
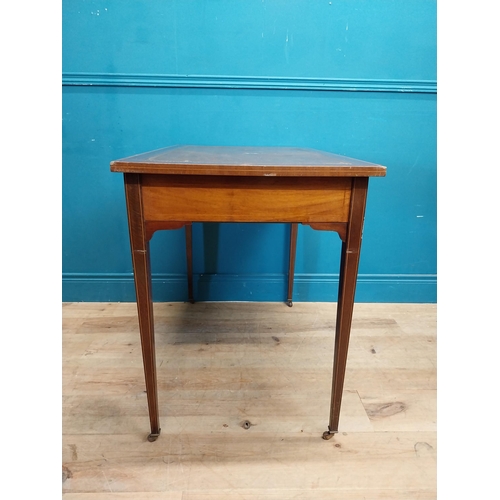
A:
(245, 199)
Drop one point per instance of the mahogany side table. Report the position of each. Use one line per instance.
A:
(172, 187)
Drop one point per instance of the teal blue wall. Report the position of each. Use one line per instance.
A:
(354, 77)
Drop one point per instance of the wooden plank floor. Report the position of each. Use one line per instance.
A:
(220, 364)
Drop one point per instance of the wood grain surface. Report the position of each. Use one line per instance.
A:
(245, 199)
(223, 364)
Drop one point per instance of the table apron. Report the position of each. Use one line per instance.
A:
(245, 199)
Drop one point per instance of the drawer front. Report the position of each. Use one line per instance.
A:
(245, 199)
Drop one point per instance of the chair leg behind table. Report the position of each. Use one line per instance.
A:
(142, 276)
(291, 266)
(349, 262)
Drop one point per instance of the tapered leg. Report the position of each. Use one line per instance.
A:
(291, 268)
(347, 286)
(189, 257)
(142, 277)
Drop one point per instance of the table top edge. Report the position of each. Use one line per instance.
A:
(246, 161)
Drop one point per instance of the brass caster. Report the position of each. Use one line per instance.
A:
(153, 437)
(328, 435)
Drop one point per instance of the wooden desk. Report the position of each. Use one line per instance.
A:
(172, 187)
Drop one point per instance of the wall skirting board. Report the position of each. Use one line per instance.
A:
(256, 288)
(247, 82)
